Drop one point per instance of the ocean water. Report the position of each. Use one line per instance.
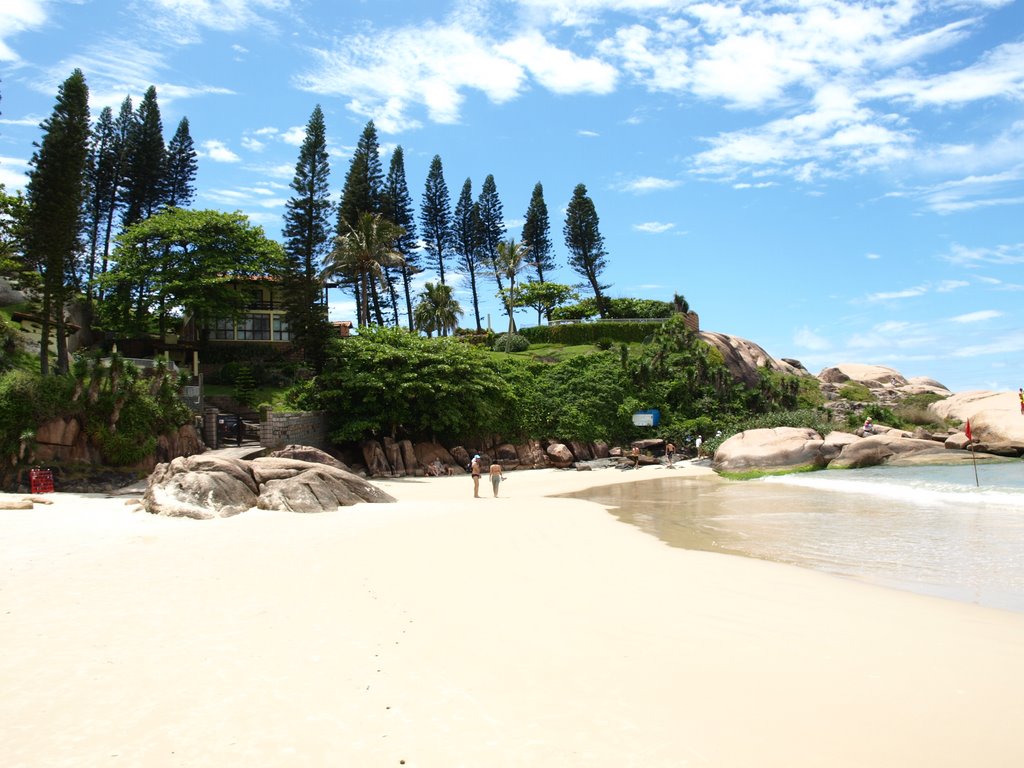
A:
(930, 530)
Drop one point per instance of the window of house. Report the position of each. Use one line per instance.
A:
(223, 330)
(254, 328)
(281, 330)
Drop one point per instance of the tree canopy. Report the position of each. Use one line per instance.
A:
(190, 259)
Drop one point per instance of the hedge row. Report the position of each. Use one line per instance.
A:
(589, 333)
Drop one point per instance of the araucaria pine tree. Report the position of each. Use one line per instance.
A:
(180, 174)
(361, 194)
(585, 243)
(307, 240)
(435, 217)
(537, 234)
(466, 231)
(102, 180)
(492, 221)
(396, 205)
(54, 195)
(144, 187)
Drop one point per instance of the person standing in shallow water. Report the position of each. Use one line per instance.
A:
(496, 477)
(476, 470)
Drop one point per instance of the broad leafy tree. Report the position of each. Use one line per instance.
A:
(544, 297)
(437, 310)
(435, 217)
(587, 256)
(396, 205)
(390, 382)
(307, 240)
(54, 197)
(200, 254)
(466, 243)
(365, 251)
(537, 234)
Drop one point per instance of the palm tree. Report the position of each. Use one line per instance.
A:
(511, 258)
(436, 310)
(363, 253)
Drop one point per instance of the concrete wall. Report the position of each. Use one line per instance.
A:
(306, 428)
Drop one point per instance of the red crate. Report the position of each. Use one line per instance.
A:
(41, 480)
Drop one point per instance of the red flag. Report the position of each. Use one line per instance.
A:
(968, 431)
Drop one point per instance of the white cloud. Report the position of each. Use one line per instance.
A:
(653, 227)
(872, 256)
(974, 257)
(557, 69)
(12, 173)
(294, 136)
(253, 144)
(907, 293)
(648, 184)
(183, 20)
(999, 73)
(219, 152)
(948, 286)
(805, 338)
(587, 134)
(977, 317)
(17, 16)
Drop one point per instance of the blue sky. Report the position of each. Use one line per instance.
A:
(836, 181)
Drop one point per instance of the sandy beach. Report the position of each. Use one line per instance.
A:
(451, 631)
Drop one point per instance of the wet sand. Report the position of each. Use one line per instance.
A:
(958, 548)
(451, 631)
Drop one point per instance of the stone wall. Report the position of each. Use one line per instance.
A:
(303, 428)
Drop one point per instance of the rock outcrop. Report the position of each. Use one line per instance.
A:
(788, 449)
(770, 450)
(204, 487)
(743, 358)
(995, 416)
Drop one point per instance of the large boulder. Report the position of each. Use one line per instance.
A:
(835, 442)
(871, 376)
(770, 450)
(200, 495)
(890, 448)
(560, 455)
(375, 459)
(744, 358)
(319, 488)
(310, 454)
(204, 487)
(995, 416)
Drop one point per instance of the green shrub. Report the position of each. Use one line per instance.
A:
(589, 333)
(857, 392)
(511, 342)
(604, 343)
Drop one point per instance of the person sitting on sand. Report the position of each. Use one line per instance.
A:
(496, 477)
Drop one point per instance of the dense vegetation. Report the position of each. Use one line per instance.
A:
(119, 407)
(386, 382)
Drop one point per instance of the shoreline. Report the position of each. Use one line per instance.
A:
(446, 630)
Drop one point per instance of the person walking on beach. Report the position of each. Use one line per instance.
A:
(670, 453)
(496, 477)
(1020, 394)
(635, 453)
(698, 443)
(476, 470)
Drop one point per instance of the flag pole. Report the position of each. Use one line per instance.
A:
(974, 459)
